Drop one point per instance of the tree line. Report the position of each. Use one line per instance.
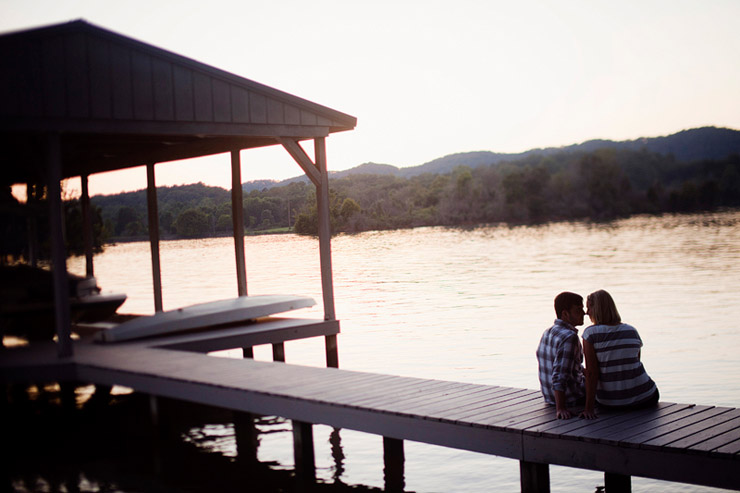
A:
(599, 186)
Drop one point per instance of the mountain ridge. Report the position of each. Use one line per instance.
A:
(686, 145)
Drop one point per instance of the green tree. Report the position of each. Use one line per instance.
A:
(349, 208)
(126, 215)
(192, 223)
(224, 223)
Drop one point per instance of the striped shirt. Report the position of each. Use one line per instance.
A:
(622, 378)
(560, 360)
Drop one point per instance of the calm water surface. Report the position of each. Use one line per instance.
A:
(470, 305)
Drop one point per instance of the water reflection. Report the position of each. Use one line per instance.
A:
(111, 447)
(335, 440)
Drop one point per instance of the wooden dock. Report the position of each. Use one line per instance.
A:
(675, 442)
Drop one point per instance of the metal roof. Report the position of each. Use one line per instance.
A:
(118, 102)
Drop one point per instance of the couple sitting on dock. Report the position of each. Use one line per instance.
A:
(613, 377)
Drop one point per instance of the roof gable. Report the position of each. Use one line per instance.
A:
(77, 71)
(119, 102)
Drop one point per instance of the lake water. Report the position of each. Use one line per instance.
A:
(470, 305)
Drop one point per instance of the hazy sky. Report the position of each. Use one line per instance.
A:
(428, 78)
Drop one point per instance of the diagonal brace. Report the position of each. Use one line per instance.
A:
(300, 156)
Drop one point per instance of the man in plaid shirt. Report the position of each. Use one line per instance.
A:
(560, 356)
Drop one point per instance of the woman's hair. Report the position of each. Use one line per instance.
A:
(602, 309)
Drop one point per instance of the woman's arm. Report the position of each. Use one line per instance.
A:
(592, 379)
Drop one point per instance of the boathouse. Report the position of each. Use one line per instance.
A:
(77, 99)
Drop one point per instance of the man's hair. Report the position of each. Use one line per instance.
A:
(602, 308)
(566, 300)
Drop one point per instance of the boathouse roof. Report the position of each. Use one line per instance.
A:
(118, 103)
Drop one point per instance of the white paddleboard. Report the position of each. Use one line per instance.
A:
(205, 315)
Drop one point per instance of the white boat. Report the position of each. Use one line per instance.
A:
(204, 315)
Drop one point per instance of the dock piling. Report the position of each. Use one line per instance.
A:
(393, 460)
(303, 453)
(535, 477)
(617, 483)
(247, 442)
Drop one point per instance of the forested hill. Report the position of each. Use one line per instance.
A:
(685, 146)
(689, 171)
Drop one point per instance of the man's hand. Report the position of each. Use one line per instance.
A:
(563, 413)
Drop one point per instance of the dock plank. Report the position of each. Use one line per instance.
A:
(717, 442)
(444, 409)
(712, 423)
(467, 414)
(453, 398)
(663, 425)
(730, 448)
(611, 418)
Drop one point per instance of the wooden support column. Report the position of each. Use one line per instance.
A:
(153, 219)
(317, 173)
(151, 197)
(278, 351)
(303, 454)
(393, 460)
(247, 442)
(245, 429)
(87, 227)
(58, 250)
(322, 198)
(237, 216)
(327, 286)
(617, 483)
(535, 477)
(33, 238)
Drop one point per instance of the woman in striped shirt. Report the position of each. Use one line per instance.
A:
(615, 376)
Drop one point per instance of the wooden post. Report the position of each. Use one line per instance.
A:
(393, 460)
(245, 429)
(535, 477)
(617, 483)
(58, 250)
(151, 197)
(154, 411)
(305, 462)
(332, 351)
(322, 198)
(327, 287)
(247, 442)
(33, 237)
(237, 216)
(87, 227)
(278, 352)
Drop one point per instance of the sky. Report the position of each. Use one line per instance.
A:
(428, 78)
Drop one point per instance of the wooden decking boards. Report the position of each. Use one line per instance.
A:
(675, 442)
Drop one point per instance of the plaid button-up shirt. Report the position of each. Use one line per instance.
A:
(560, 359)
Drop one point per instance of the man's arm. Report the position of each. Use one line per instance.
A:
(561, 411)
(562, 370)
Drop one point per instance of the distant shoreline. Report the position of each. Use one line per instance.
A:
(170, 237)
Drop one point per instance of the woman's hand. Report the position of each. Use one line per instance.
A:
(588, 414)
